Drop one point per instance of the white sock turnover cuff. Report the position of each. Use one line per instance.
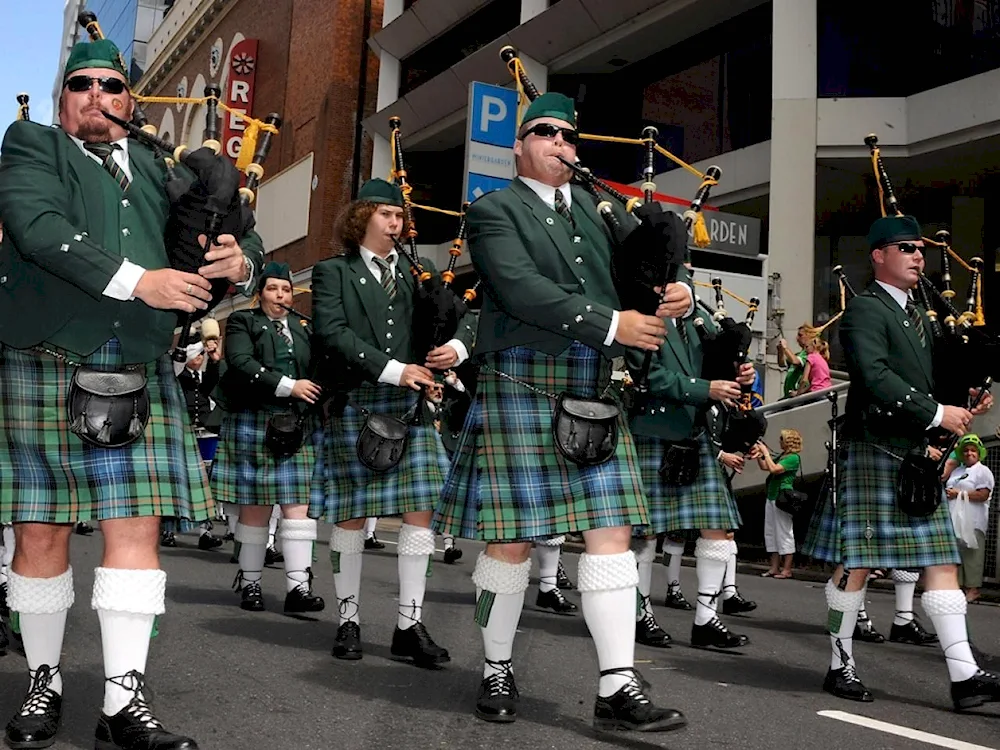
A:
(712, 549)
(251, 534)
(500, 577)
(607, 572)
(843, 601)
(905, 576)
(347, 541)
(644, 549)
(944, 602)
(298, 529)
(673, 548)
(555, 541)
(415, 540)
(138, 592)
(40, 596)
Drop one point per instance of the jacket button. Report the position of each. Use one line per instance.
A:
(389, 335)
(126, 232)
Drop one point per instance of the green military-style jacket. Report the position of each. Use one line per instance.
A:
(678, 394)
(67, 228)
(891, 372)
(358, 327)
(253, 353)
(547, 283)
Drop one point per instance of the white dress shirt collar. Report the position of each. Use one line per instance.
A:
(369, 258)
(548, 193)
(901, 296)
(120, 154)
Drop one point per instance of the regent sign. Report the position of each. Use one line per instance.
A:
(238, 95)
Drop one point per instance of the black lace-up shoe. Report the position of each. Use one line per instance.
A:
(208, 542)
(135, 727)
(251, 596)
(714, 634)
(649, 633)
(272, 556)
(737, 605)
(630, 710)
(4, 609)
(84, 529)
(554, 601)
(864, 630)
(675, 600)
(562, 580)
(372, 542)
(416, 643)
(301, 599)
(912, 632)
(982, 687)
(452, 555)
(845, 683)
(497, 699)
(348, 643)
(167, 539)
(35, 724)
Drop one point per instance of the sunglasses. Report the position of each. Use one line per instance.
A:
(908, 247)
(548, 130)
(79, 84)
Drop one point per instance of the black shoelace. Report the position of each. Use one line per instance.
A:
(250, 588)
(849, 671)
(138, 708)
(345, 605)
(36, 702)
(635, 687)
(414, 610)
(501, 682)
(304, 586)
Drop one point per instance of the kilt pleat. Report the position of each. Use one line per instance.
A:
(874, 532)
(508, 482)
(343, 488)
(49, 475)
(706, 503)
(822, 541)
(246, 472)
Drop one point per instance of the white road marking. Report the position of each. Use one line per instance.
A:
(900, 731)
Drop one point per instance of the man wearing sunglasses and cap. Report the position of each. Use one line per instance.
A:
(888, 347)
(551, 322)
(84, 212)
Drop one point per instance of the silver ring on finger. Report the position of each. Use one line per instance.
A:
(188, 290)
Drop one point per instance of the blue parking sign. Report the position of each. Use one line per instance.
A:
(494, 115)
(480, 184)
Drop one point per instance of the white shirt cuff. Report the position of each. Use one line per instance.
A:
(459, 347)
(613, 330)
(938, 416)
(284, 389)
(392, 373)
(123, 283)
(244, 286)
(691, 306)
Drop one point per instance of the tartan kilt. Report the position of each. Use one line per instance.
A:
(343, 488)
(508, 482)
(49, 475)
(874, 533)
(706, 503)
(247, 473)
(822, 541)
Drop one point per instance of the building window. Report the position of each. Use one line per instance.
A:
(913, 45)
(436, 179)
(482, 27)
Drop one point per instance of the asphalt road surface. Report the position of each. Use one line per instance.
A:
(236, 680)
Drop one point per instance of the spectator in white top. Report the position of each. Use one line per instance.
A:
(974, 478)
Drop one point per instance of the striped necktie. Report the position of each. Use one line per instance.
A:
(562, 209)
(283, 331)
(105, 152)
(916, 318)
(388, 281)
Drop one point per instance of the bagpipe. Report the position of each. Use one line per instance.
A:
(208, 199)
(22, 107)
(965, 353)
(725, 348)
(437, 306)
(650, 243)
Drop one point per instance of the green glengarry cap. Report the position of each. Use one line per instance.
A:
(274, 270)
(551, 104)
(892, 229)
(382, 192)
(99, 54)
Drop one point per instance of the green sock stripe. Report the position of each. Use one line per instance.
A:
(834, 619)
(639, 603)
(15, 622)
(335, 561)
(483, 608)
(156, 627)
(430, 565)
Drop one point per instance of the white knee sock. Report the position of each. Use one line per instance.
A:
(905, 584)
(548, 566)
(645, 553)
(500, 588)
(253, 540)
(449, 541)
(232, 511)
(711, 557)
(607, 585)
(416, 545)
(673, 553)
(345, 557)
(272, 525)
(842, 615)
(729, 581)
(370, 527)
(297, 537)
(42, 605)
(127, 602)
(947, 609)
